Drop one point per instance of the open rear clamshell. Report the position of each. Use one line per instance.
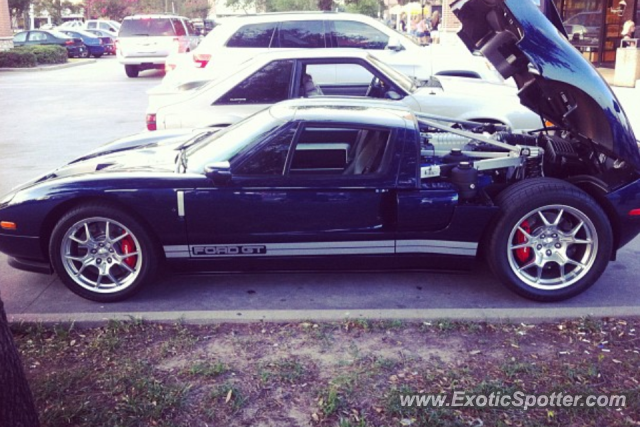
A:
(554, 79)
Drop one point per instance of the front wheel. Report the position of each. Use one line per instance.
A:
(551, 241)
(101, 253)
(84, 54)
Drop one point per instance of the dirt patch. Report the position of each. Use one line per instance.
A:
(353, 373)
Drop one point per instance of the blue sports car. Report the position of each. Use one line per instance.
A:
(357, 181)
(95, 44)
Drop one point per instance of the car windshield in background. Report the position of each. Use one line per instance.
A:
(146, 27)
(59, 35)
(405, 82)
(224, 145)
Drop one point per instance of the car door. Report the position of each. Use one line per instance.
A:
(310, 189)
(20, 39)
(38, 38)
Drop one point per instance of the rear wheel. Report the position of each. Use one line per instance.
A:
(101, 253)
(131, 70)
(84, 54)
(551, 241)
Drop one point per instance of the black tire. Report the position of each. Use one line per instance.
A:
(101, 266)
(576, 248)
(131, 70)
(84, 54)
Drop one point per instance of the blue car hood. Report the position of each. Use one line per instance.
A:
(554, 79)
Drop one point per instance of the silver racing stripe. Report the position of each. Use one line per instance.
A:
(322, 248)
(445, 247)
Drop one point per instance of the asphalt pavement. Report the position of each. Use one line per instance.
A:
(51, 117)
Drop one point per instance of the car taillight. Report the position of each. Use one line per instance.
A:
(69, 42)
(201, 59)
(151, 122)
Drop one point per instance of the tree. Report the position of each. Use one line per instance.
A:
(113, 9)
(16, 402)
(365, 7)
(18, 7)
(196, 8)
(281, 5)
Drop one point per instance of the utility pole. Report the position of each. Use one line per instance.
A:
(6, 35)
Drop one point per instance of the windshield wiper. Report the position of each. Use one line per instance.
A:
(196, 139)
(181, 159)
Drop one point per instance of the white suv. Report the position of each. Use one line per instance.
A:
(144, 41)
(237, 39)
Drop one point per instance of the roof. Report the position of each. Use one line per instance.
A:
(290, 16)
(345, 110)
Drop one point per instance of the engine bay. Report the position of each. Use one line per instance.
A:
(475, 157)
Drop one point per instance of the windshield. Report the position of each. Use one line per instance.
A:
(226, 144)
(401, 79)
(146, 27)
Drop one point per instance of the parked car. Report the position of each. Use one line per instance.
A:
(236, 39)
(144, 41)
(95, 44)
(75, 47)
(107, 39)
(238, 92)
(70, 25)
(103, 25)
(358, 180)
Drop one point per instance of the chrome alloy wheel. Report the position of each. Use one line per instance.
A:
(552, 247)
(101, 255)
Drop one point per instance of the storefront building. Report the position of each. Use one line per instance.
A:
(595, 26)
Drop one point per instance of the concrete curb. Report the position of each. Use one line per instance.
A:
(51, 67)
(530, 315)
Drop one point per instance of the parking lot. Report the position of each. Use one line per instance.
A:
(53, 116)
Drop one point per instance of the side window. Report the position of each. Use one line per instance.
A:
(20, 37)
(301, 34)
(92, 25)
(358, 35)
(256, 35)
(267, 86)
(271, 159)
(180, 30)
(190, 28)
(353, 74)
(339, 151)
(37, 36)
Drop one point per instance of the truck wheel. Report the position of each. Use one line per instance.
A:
(131, 70)
(550, 241)
(101, 253)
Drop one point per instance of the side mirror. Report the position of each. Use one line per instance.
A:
(394, 45)
(393, 95)
(219, 173)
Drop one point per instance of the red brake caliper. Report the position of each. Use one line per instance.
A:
(127, 247)
(523, 254)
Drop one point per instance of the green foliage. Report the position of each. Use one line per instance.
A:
(282, 5)
(365, 7)
(18, 7)
(46, 54)
(17, 59)
(195, 8)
